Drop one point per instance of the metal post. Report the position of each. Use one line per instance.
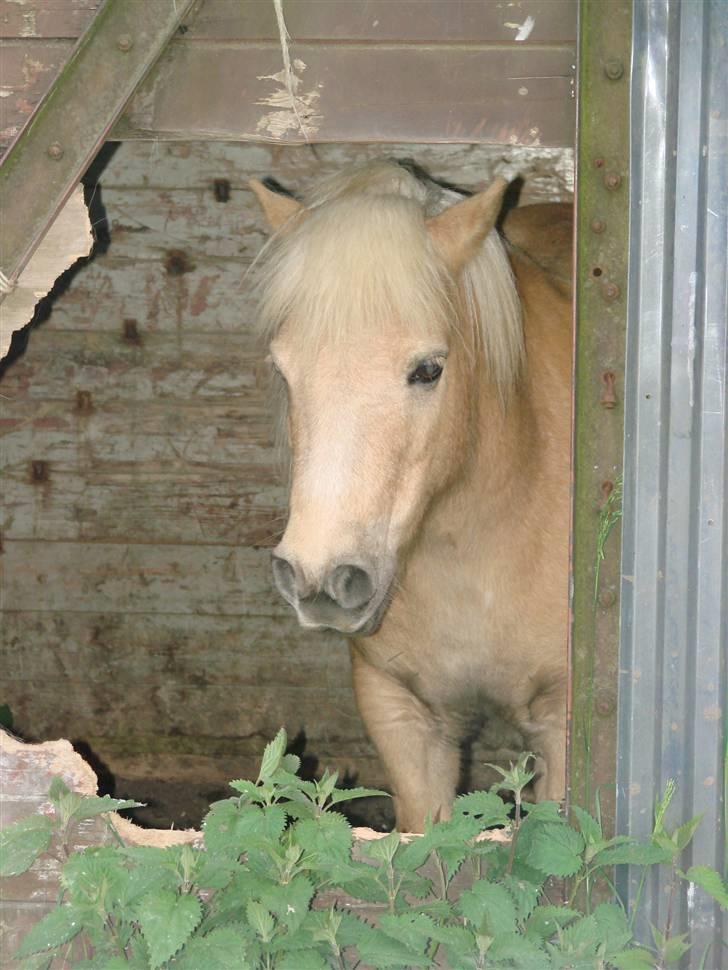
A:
(601, 278)
(673, 684)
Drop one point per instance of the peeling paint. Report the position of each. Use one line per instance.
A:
(293, 111)
(523, 31)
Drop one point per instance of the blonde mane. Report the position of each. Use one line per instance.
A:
(360, 253)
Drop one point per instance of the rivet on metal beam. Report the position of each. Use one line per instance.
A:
(609, 398)
(39, 471)
(612, 181)
(84, 402)
(55, 151)
(607, 599)
(614, 68)
(610, 291)
(598, 225)
(125, 42)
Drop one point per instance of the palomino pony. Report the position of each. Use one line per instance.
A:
(427, 365)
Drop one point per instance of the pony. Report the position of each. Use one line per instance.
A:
(427, 364)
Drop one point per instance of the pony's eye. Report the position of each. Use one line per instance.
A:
(428, 372)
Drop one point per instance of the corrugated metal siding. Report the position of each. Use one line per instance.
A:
(675, 529)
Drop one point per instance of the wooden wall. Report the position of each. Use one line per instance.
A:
(384, 70)
(141, 494)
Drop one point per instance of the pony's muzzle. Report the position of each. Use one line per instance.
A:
(341, 601)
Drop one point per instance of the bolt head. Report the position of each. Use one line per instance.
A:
(55, 150)
(614, 68)
(598, 225)
(610, 291)
(124, 42)
(612, 180)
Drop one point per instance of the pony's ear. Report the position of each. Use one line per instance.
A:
(458, 232)
(278, 208)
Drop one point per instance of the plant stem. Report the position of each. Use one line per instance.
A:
(516, 829)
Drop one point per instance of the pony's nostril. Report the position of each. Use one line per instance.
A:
(350, 586)
(284, 576)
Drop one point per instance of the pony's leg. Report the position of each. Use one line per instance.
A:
(422, 765)
(546, 733)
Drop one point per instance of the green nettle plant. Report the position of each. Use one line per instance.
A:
(253, 895)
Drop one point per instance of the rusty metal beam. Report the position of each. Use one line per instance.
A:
(69, 125)
(601, 284)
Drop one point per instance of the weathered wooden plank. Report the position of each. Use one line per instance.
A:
(45, 18)
(149, 648)
(181, 368)
(226, 711)
(231, 513)
(547, 172)
(431, 21)
(207, 297)
(28, 70)
(506, 95)
(149, 223)
(127, 578)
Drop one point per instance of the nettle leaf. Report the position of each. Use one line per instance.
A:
(325, 840)
(457, 941)
(99, 804)
(94, 875)
(167, 921)
(214, 871)
(349, 794)
(385, 849)
(581, 938)
(631, 854)
(380, 950)
(229, 904)
(710, 881)
(556, 850)
(22, 842)
(290, 902)
(220, 949)
(273, 755)
(524, 893)
(546, 921)
(484, 808)
(614, 929)
(350, 929)
(588, 826)
(291, 763)
(672, 947)
(231, 828)
(489, 905)
(542, 811)
(413, 929)
(247, 788)
(302, 960)
(57, 927)
(260, 920)
(522, 953)
(682, 835)
(441, 836)
(637, 959)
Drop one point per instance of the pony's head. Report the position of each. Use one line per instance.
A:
(388, 309)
